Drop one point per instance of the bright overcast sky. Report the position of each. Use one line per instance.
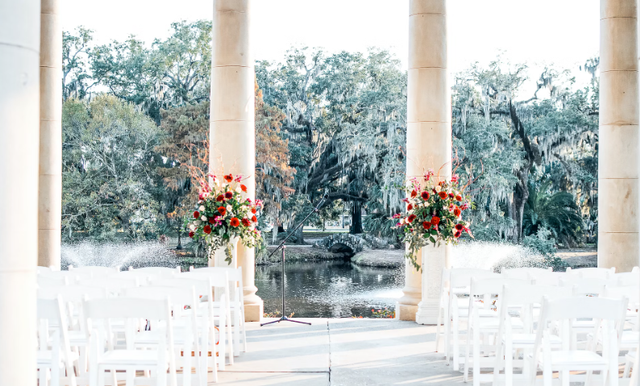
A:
(540, 32)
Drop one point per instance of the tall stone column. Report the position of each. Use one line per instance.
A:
(428, 141)
(19, 111)
(232, 133)
(618, 238)
(50, 189)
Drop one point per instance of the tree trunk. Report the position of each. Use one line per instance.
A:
(274, 232)
(179, 246)
(356, 218)
(299, 236)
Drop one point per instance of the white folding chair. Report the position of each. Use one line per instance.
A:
(52, 331)
(113, 285)
(524, 273)
(93, 271)
(158, 272)
(46, 280)
(157, 360)
(185, 330)
(236, 296)
(443, 313)
(609, 314)
(593, 273)
(546, 278)
(521, 301)
(483, 323)
(460, 282)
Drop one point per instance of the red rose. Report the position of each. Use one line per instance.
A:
(191, 234)
(206, 229)
(458, 198)
(409, 207)
(435, 220)
(196, 214)
(228, 177)
(254, 219)
(235, 222)
(222, 210)
(246, 222)
(457, 211)
(443, 195)
(458, 234)
(211, 220)
(228, 195)
(413, 193)
(426, 224)
(459, 227)
(253, 210)
(244, 188)
(425, 195)
(411, 218)
(220, 198)
(451, 195)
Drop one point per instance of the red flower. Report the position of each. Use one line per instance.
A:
(459, 227)
(254, 219)
(458, 198)
(458, 234)
(228, 195)
(451, 195)
(457, 211)
(253, 210)
(220, 198)
(409, 207)
(413, 193)
(196, 214)
(191, 234)
(425, 196)
(222, 210)
(426, 224)
(443, 195)
(228, 177)
(411, 218)
(210, 219)
(206, 229)
(244, 188)
(246, 222)
(235, 222)
(435, 220)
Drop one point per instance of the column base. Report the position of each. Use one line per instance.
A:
(406, 312)
(253, 312)
(428, 312)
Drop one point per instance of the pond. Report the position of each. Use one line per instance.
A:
(329, 289)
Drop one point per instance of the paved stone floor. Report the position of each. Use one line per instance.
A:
(340, 352)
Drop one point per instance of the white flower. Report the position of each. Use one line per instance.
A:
(238, 190)
(203, 219)
(201, 208)
(198, 222)
(438, 188)
(192, 227)
(229, 208)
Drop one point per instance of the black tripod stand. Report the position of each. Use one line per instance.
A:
(282, 246)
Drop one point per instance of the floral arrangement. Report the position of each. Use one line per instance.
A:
(434, 214)
(223, 213)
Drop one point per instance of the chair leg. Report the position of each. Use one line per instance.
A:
(447, 331)
(627, 367)
(161, 376)
(438, 323)
(456, 343)
(466, 358)
(564, 375)
(236, 333)
(476, 357)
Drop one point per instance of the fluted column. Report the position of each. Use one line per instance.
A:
(232, 133)
(428, 141)
(19, 111)
(618, 238)
(50, 177)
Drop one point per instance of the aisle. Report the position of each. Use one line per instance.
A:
(341, 352)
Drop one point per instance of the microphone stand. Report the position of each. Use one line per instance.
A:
(282, 247)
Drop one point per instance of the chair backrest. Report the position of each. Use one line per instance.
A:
(235, 279)
(592, 273)
(619, 292)
(179, 297)
(46, 281)
(94, 271)
(523, 273)
(493, 285)
(585, 286)
(546, 278)
(461, 277)
(43, 269)
(113, 285)
(157, 271)
(627, 278)
(52, 323)
(144, 278)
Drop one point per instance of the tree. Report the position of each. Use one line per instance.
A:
(76, 50)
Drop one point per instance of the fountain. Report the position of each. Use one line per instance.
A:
(138, 254)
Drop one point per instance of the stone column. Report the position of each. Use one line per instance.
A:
(232, 136)
(50, 189)
(19, 111)
(428, 141)
(618, 238)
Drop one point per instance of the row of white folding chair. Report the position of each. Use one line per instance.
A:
(236, 298)
(55, 360)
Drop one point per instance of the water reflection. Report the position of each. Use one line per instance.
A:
(329, 289)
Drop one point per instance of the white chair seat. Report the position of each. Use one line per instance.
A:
(127, 357)
(577, 358)
(44, 357)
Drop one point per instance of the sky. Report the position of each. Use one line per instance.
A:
(564, 33)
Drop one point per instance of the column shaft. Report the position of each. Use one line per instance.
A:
(50, 176)
(232, 133)
(618, 238)
(428, 140)
(19, 100)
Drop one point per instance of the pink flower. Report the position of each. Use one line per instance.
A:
(238, 178)
(454, 178)
(397, 215)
